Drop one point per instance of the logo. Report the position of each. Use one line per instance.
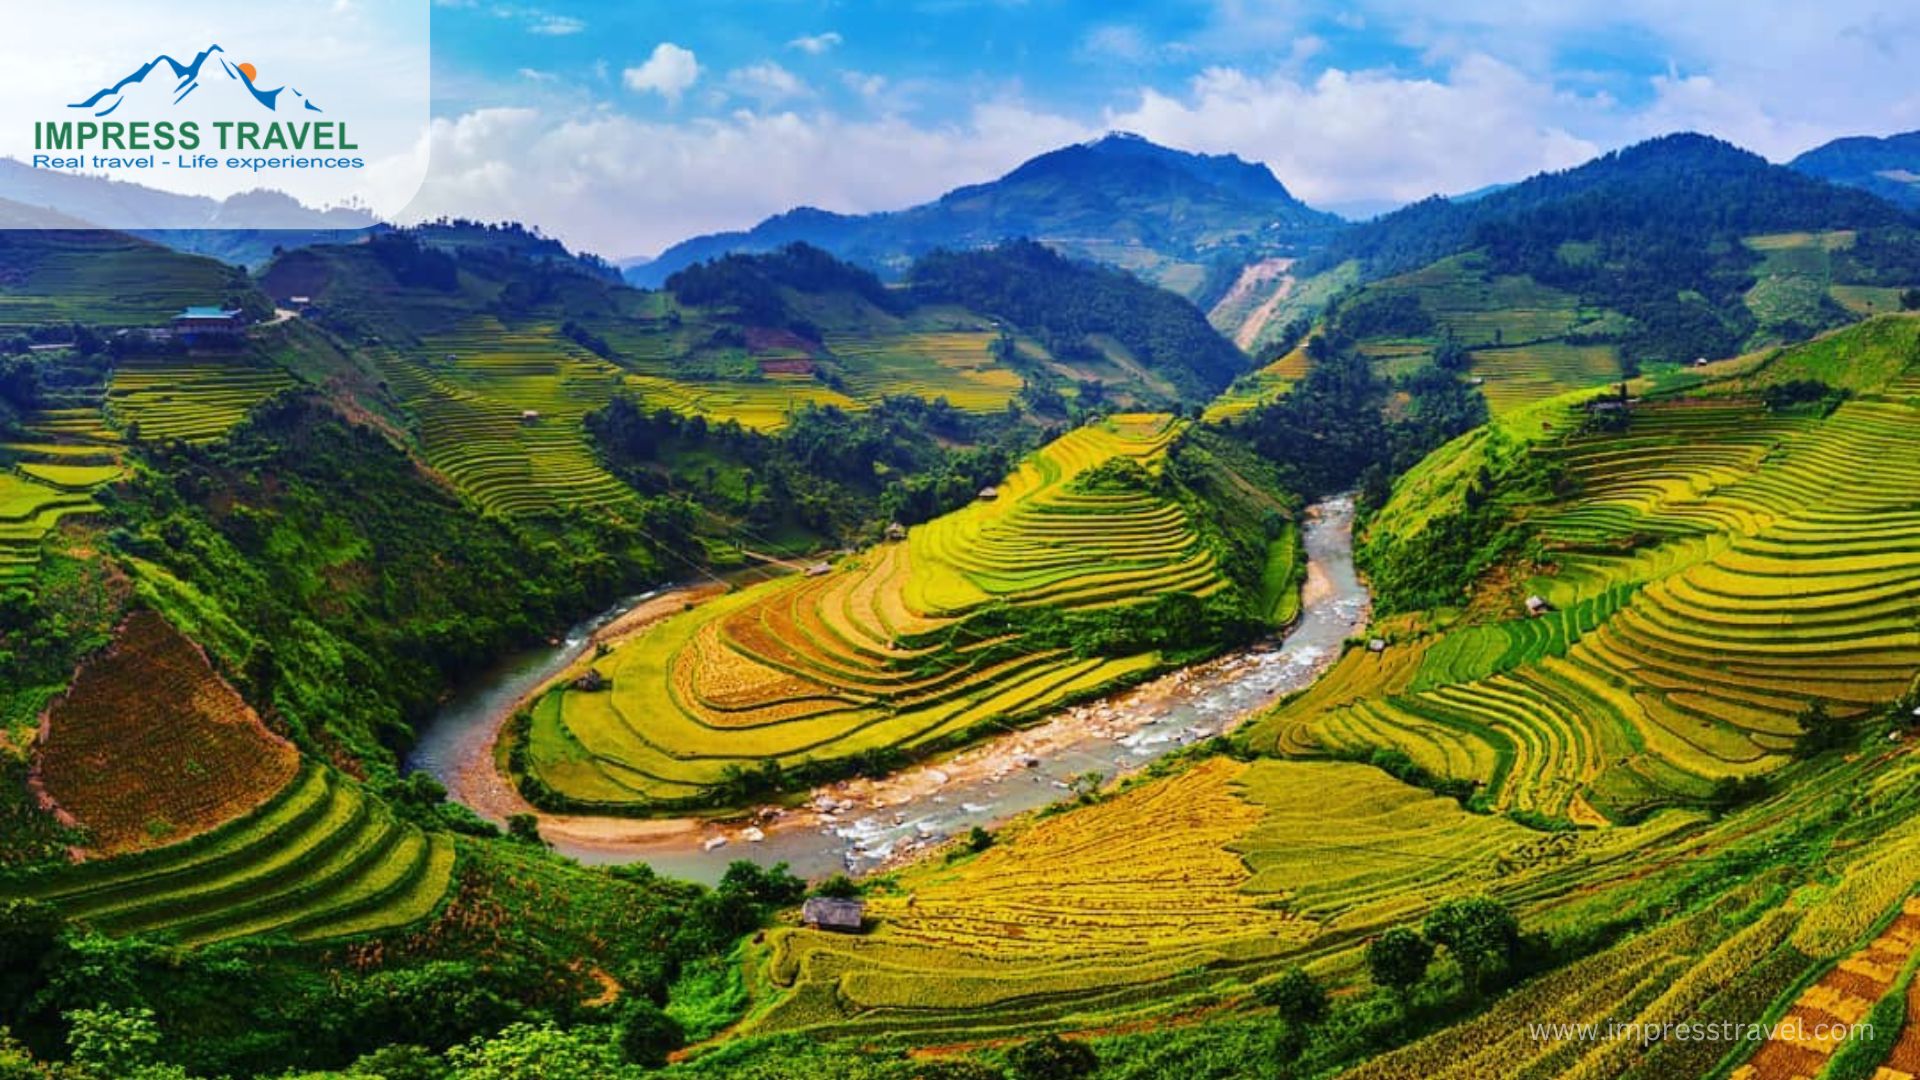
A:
(187, 79)
(164, 86)
(232, 114)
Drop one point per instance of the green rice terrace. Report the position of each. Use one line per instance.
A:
(1721, 565)
(318, 860)
(201, 824)
(910, 645)
(100, 279)
(62, 454)
(1718, 566)
(195, 400)
(498, 413)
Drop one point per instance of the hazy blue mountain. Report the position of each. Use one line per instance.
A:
(227, 229)
(1889, 167)
(1121, 200)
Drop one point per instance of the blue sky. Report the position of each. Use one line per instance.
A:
(622, 127)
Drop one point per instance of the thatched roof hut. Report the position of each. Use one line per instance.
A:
(827, 913)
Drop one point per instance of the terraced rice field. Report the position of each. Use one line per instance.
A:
(471, 390)
(196, 400)
(1176, 889)
(1523, 374)
(1905, 386)
(1867, 299)
(99, 278)
(1776, 559)
(319, 860)
(955, 364)
(877, 362)
(1259, 387)
(149, 746)
(63, 455)
(1795, 276)
(29, 509)
(1482, 311)
(1820, 1017)
(882, 652)
(765, 405)
(1688, 971)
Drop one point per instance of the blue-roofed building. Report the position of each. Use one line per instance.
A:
(200, 324)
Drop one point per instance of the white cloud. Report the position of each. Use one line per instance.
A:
(865, 84)
(767, 83)
(1493, 100)
(669, 72)
(1350, 136)
(816, 44)
(621, 186)
(555, 25)
(1117, 41)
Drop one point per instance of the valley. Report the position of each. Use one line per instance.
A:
(1182, 634)
(866, 824)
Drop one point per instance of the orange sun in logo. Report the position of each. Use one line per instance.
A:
(250, 72)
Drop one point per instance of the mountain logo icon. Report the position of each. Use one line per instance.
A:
(164, 78)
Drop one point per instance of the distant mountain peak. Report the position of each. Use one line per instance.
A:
(1164, 212)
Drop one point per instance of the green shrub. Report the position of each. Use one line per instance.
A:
(1298, 998)
(648, 1035)
(1051, 1057)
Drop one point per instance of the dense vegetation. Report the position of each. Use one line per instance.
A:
(749, 286)
(1652, 232)
(1332, 430)
(1064, 303)
(335, 609)
(828, 473)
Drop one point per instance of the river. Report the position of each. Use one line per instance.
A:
(857, 826)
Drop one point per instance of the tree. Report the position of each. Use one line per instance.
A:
(525, 828)
(113, 1042)
(1481, 934)
(979, 839)
(29, 936)
(1398, 959)
(1819, 730)
(1910, 300)
(1731, 791)
(773, 887)
(1298, 998)
(525, 1051)
(837, 887)
(402, 1061)
(648, 1035)
(1051, 1057)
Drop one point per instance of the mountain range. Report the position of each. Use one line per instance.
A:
(1163, 213)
